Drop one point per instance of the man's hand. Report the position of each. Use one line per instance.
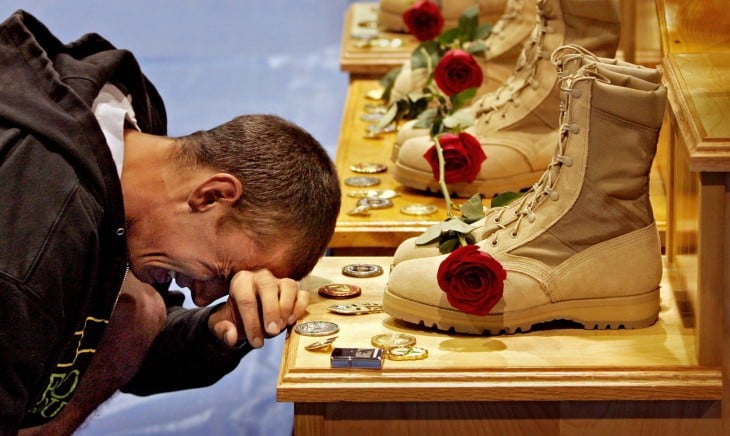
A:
(259, 305)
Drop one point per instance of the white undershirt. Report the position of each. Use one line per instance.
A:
(112, 108)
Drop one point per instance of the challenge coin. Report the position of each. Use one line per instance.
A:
(359, 211)
(339, 290)
(368, 167)
(362, 181)
(362, 270)
(317, 328)
(406, 353)
(419, 209)
(320, 345)
(372, 193)
(356, 308)
(375, 202)
(392, 340)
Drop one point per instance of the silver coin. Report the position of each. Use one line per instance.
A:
(371, 118)
(356, 308)
(362, 181)
(372, 193)
(375, 108)
(316, 328)
(320, 345)
(369, 167)
(359, 211)
(375, 203)
(419, 209)
(362, 270)
(372, 129)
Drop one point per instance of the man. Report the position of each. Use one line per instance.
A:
(101, 211)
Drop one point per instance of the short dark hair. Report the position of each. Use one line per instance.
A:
(290, 185)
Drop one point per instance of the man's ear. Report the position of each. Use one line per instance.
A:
(221, 188)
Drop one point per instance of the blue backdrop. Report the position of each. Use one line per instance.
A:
(211, 61)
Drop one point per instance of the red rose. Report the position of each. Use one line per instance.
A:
(457, 71)
(463, 157)
(472, 279)
(424, 20)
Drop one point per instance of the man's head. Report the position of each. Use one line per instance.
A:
(279, 197)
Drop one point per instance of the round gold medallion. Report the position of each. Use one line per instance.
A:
(362, 270)
(339, 290)
(368, 168)
(419, 209)
(407, 353)
(387, 341)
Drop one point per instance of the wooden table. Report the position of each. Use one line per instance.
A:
(390, 49)
(384, 229)
(697, 26)
(696, 45)
(560, 381)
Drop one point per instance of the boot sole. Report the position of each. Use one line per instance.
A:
(488, 188)
(636, 311)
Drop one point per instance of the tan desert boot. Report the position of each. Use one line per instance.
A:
(565, 58)
(503, 45)
(513, 121)
(390, 12)
(582, 245)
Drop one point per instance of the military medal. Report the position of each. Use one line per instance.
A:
(317, 328)
(392, 340)
(372, 193)
(368, 167)
(339, 290)
(320, 345)
(406, 353)
(375, 108)
(375, 203)
(356, 308)
(419, 209)
(359, 211)
(362, 181)
(362, 270)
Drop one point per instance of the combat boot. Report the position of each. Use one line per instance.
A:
(567, 60)
(582, 244)
(502, 47)
(514, 123)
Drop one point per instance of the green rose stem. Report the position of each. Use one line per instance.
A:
(442, 178)
(442, 182)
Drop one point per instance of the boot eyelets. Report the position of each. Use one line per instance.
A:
(494, 243)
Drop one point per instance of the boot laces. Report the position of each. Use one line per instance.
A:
(525, 72)
(570, 52)
(525, 207)
(511, 13)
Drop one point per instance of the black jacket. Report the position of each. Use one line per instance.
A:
(63, 250)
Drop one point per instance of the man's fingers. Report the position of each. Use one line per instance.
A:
(267, 290)
(226, 332)
(300, 307)
(246, 306)
(265, 304)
